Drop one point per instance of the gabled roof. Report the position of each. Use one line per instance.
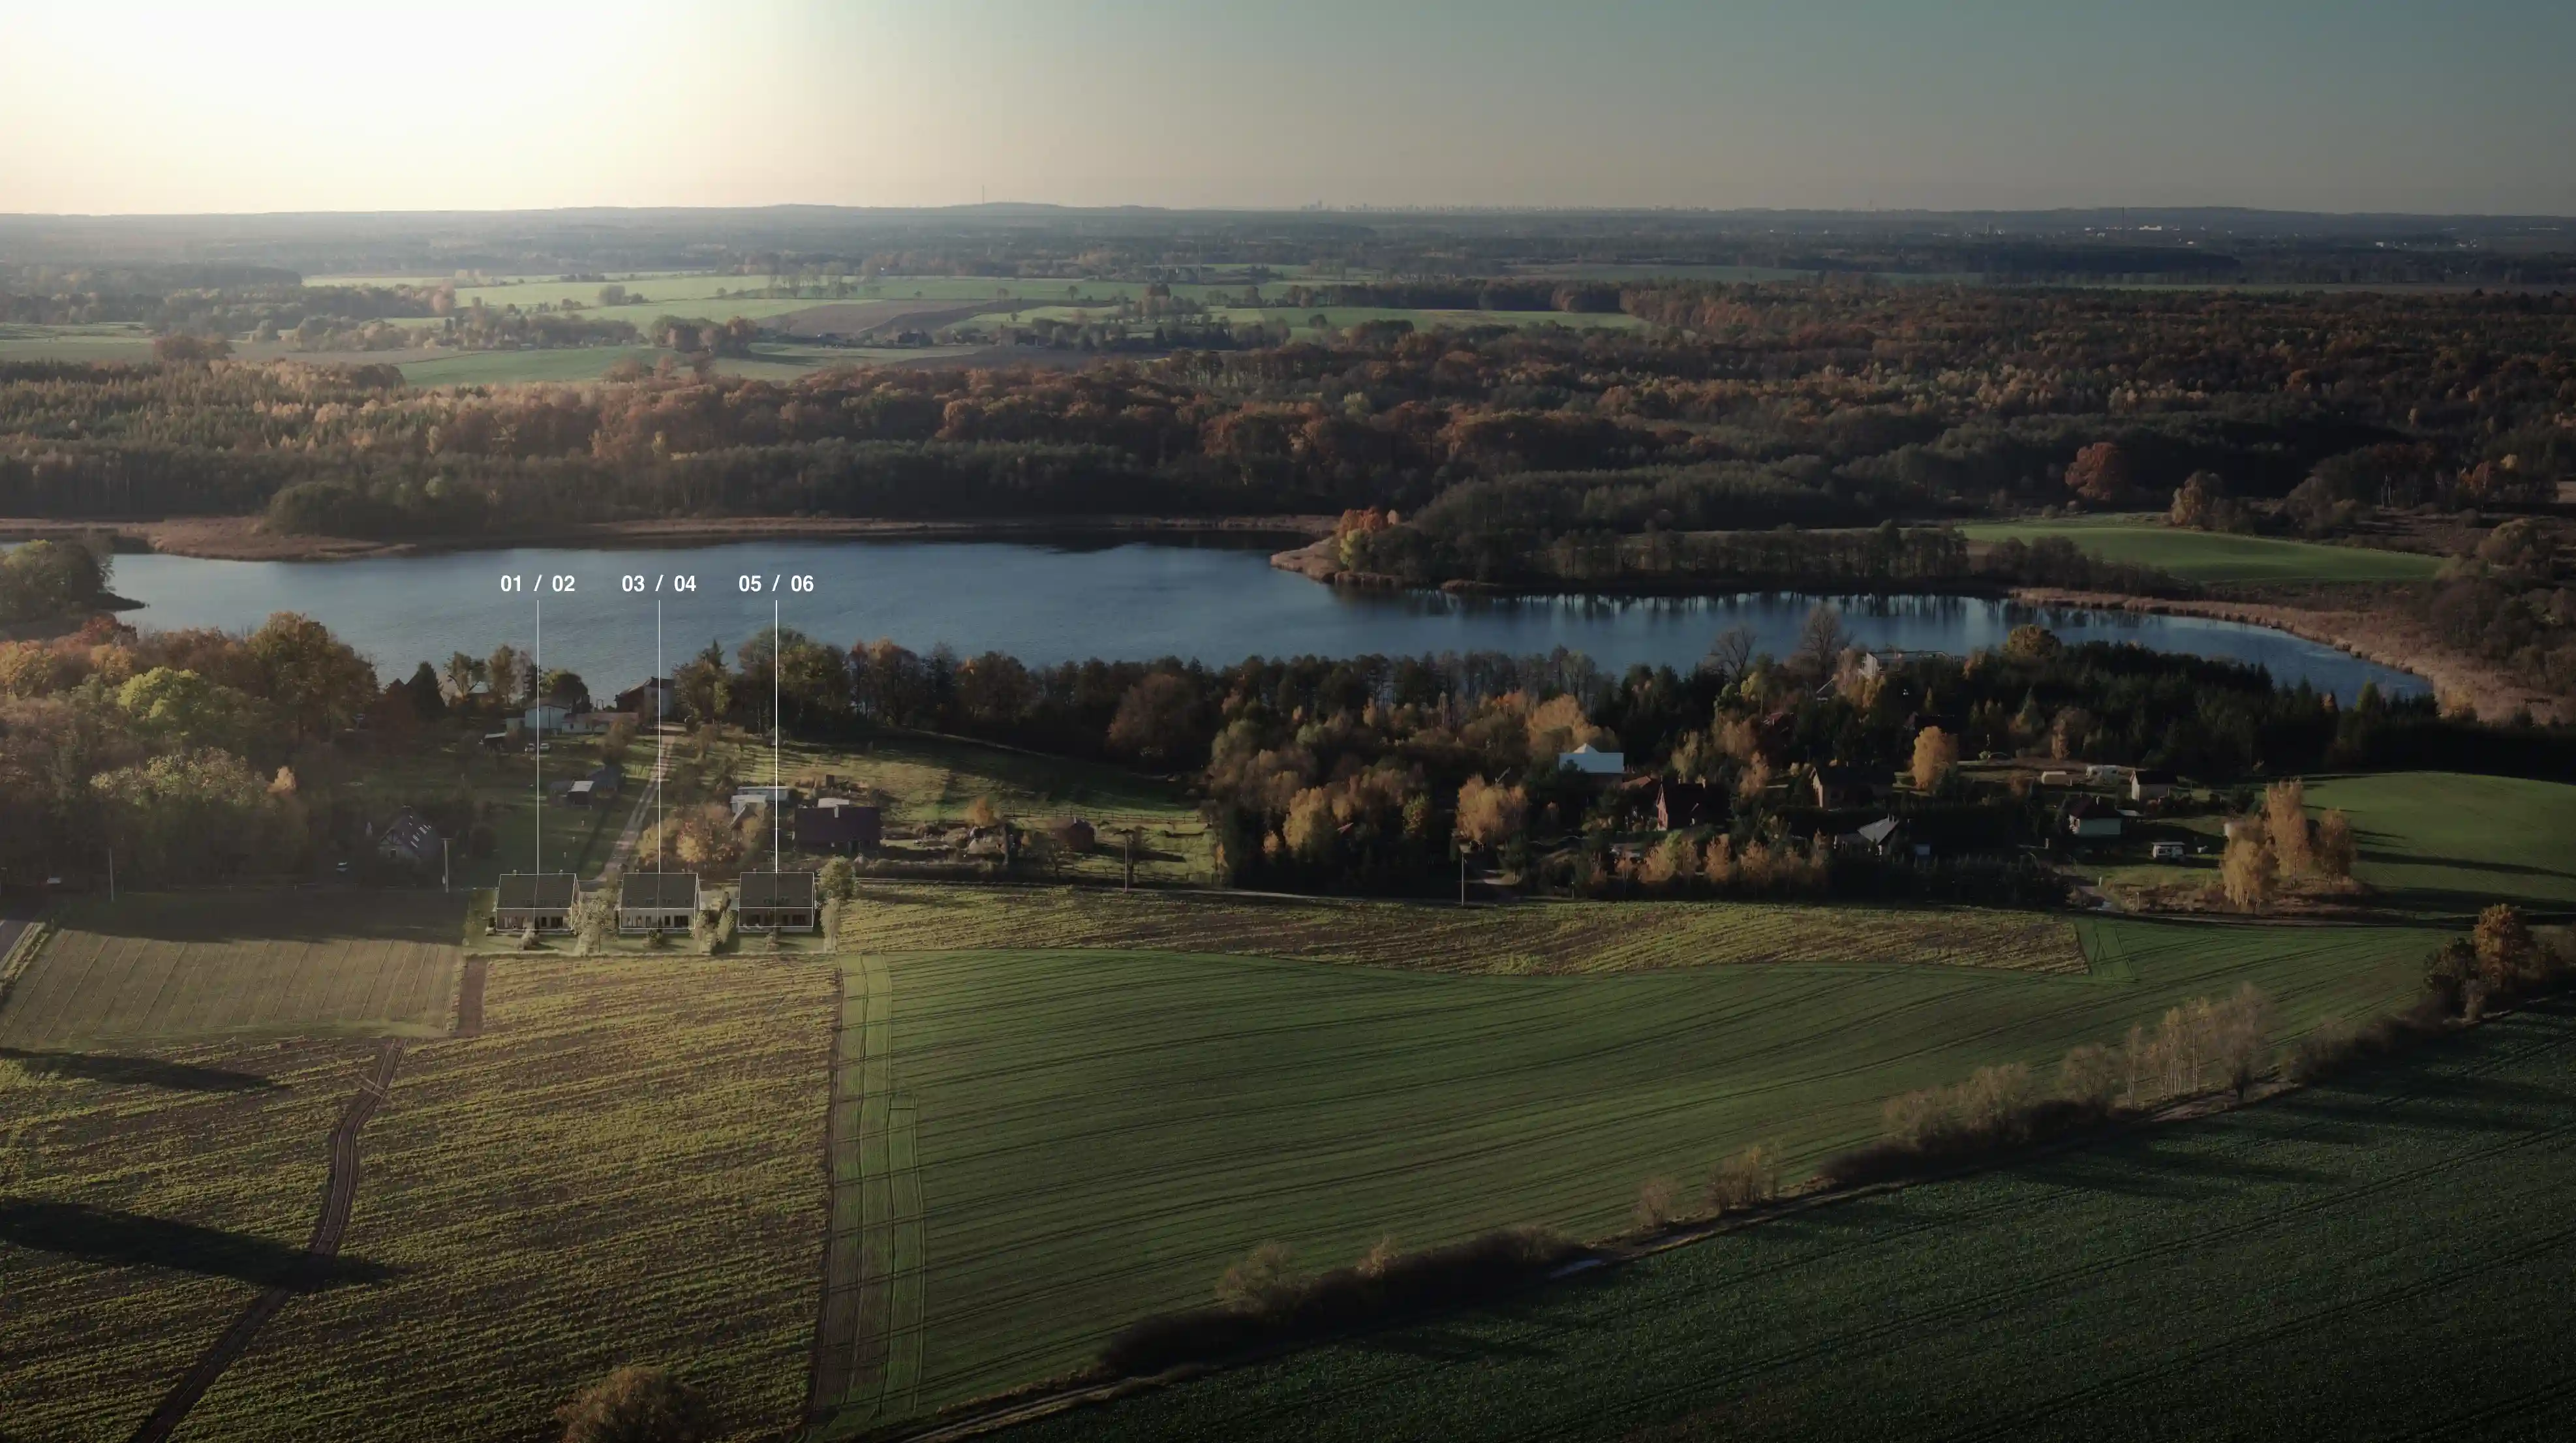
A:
(777, 889)
(524, 891)
(658, 891)
(1877, 833)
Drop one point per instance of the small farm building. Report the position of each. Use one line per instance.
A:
(2147, 785)
(2091, 818)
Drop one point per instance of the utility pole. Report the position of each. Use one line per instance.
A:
(776, 797)
(111, 876)
(1127, 876)
(442, 866)
(1462, 874)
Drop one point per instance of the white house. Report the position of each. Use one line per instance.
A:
(1592, 762)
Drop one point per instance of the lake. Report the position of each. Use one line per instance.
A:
(1043, 603)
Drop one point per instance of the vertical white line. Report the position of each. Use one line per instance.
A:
(661, 842)
(776, 797)
(538, 665)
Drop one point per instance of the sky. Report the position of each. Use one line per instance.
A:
(2357, 105)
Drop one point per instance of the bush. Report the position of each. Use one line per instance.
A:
(1748, 1179)
(1265, 1276)
(1381, 1286)
(638, 1405)
(1654, 1210)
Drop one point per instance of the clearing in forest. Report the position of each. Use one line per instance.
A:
(178, 966)
(2215, 557)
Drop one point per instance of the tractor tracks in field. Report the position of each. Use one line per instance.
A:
(868, 1337)
(311, 1271)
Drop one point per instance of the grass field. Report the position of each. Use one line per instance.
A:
(624, 1166)
(2205, 557)
(2448, 842)
(1100, 1132)
(145, 1196)
(2384, 1257)
(107, 342)
(1532, 939)
(205, 965)
(925, 779)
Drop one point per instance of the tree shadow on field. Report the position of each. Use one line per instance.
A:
(137, 1071)
(121, 1239)
(2146, 1170)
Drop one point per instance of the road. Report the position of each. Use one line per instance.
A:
(644, 801)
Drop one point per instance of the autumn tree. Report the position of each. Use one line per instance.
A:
(2249, 871)
(1936, 757)
(1489, 815)
(2335, 850)
(2504, 945)
(311, 676)
(2099, 473)
(2285, 821)
(1154, 721)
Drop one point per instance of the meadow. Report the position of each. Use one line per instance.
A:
(2451, 842)
(2213, 558)
(625, 1166)
(922, 779)
(1099, 1132)
(146, 1195)
(246, 963)
(2381, 1257)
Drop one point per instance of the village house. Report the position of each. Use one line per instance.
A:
(838, 824)
(658, 698)
(656, 901)
(408, 838)
(777, 901)
(2146, 785)
(539, 900)
(1840, 786)
(1688, 804)
(1590, 761)
(1075, 835)
(2091, 818)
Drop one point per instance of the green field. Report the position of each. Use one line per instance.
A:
(2215, 558)
(1100, 1132)
(112, 342)
(146, 1195)
(2449, 842)
(190, 966)
(2384, 1257)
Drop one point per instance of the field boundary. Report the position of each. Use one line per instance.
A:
(469, 997)
(868, 1337)
(339, 1196)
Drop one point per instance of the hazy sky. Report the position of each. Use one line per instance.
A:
(2462, 105)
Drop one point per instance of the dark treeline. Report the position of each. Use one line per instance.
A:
(1806, 405)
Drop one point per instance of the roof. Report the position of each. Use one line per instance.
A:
(2154, 775)
(409, 833)
(1877, 833)
(658, 891)
(832, 826)
(2090, 809)
(1835, 774)
(522, 891)
(777, 889)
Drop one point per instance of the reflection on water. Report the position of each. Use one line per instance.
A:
(1046, 602)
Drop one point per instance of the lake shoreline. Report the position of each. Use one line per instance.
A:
(246, 538)
(2399, 643)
